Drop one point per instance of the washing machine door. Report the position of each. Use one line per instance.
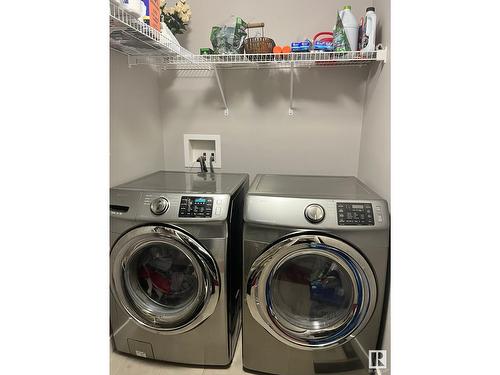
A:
(311, 291)
(165, 279)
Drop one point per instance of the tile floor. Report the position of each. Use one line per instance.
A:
(128, 365)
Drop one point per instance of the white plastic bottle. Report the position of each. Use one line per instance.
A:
(369, 30)
(350, 26)
(133, 7)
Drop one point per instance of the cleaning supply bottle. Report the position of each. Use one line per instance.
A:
(369, 30)
(133, 7)
(350, 26)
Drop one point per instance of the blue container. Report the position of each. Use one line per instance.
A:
(323, 46)
(304, 46)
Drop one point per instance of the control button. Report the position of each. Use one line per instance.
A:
(378, 208)
(314, 213)
(379, 218)
(159, 206)
(217, 210)
(219, 201)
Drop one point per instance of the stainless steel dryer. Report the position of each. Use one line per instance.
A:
(315, 258)
(176, 266)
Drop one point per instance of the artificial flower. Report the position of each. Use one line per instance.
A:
(176, 17)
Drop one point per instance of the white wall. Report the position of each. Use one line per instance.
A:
(136, 133)
(259, 136)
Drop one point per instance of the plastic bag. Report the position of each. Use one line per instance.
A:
(229, 38)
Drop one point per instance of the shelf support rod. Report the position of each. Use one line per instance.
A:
(226, 109)
(290, 109)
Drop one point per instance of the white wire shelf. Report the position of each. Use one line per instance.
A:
(132, 37)
(261, 61)
(145, 45)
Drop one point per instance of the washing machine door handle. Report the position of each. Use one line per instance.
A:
(340, 270)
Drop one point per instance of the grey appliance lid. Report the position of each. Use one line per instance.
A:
(343, 187)
(187, 182)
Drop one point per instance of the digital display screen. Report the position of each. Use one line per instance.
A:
(358, 206)
(196, 207)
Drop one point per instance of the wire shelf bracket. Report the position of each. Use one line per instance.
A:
(382, 53)
(226, 109)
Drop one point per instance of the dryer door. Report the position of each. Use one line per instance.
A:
(311, 291)
(165, 279)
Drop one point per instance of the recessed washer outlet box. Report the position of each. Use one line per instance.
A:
(197, 144)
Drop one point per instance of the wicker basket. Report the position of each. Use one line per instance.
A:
(258, 44)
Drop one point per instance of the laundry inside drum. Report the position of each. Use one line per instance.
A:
(311, 292)
(164, 283)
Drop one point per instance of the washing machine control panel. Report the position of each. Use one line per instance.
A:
(196, 206)
(355, 213)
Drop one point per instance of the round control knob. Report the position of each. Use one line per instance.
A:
(159, 206)
(314, 213)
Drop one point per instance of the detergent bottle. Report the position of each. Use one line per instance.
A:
(369, 29)
(350, 26)
(133, 7)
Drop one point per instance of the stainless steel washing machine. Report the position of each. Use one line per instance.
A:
(315, 258)
(176, 266)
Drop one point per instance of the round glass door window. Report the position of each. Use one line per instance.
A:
(165, 283)
(311, 292)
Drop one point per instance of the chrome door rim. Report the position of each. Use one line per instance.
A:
(153, 309)
(133, 241)
(348, 257)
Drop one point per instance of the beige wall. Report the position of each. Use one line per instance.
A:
(374, 158)
(285, 20)
(341, 124)
(258, 135)
(375, 145)
(136, 142)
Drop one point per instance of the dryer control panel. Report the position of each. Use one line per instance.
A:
(355, 213)
(196, 206)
